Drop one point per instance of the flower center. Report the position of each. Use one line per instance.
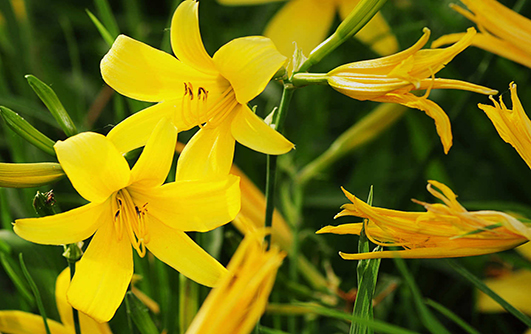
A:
(131, 219)
(200, 109)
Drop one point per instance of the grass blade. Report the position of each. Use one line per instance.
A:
(107, 37)
(452, 316)
(36, 293)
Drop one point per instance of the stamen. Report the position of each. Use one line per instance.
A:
(133, 218)
(202, 110)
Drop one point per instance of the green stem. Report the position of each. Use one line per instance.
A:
(77, 326)
(278, 122)
(304, 79)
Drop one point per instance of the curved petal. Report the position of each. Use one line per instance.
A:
(302, 22)
(88, 325)
(208, 154)
(193, 205)
(442, 122)
(248, 63)
(18, 322)
(251, 131)
(153, 165)
(102, 275)
(134, 131)
(177, 250)
(141, 72)
(93, 165)
(64, 228)
(186, 38)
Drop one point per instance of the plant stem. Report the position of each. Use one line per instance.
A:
(278, 123)
(77, 326)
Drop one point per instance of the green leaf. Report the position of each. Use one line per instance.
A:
(426, 317)
(104, 9)
(18, 124)
(107, 37)
(486, 290)
(188, 301)
(140, 314)
(452, 316)
(50, 99)
(19, 283)
(36, 293)
(367, 276)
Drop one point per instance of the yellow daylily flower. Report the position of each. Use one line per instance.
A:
(243, 293)
(392, 78)
(132, 207)
(503, 31)
(513, 126)
(18, 322)
(306, 23)
(445, 230)
(196, 90)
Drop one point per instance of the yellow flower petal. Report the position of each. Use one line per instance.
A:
(88, 325)
(186, 39)
(134, 131)
(251, 131)
(177, 250)
(102, 275)
(248, 63)
(64, 228)
(245, 2)
(514, 288)
(442, 122)
(304, 23)
(193, 205)
(491, 44)
(153, 165)
(208, 154)
(93, 165)
(18, 322)
(141, 72)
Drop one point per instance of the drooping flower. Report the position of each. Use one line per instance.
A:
(19, 322)
(392, 78)
(306, 23)
(513, 125)
(446, 230)
(132, 207)
(503, 31)
(243, 293)
(196, 90)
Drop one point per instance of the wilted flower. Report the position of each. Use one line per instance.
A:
(445, 230)
(392, 78)
(502, 31)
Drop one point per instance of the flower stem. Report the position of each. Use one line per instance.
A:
(278, 123)
(72, 266)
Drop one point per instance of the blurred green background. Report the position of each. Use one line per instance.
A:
(57, 42)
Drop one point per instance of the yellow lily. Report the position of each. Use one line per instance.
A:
(196, 90)
(307, 23)
(18, 322)
(243, 293)
(392, 78)
(132, 207)
(445, 230)
(512, 125)
(503, 31)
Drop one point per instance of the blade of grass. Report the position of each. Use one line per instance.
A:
(367, 276)
(426, 317)
(107, 17)
(36, 293)
(107, 37)
(486, 290)
(17, 281)
(452, 316)
(140, 314)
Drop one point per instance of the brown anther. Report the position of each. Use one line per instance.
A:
(185, 88)
(116, 214)
(202, 92)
